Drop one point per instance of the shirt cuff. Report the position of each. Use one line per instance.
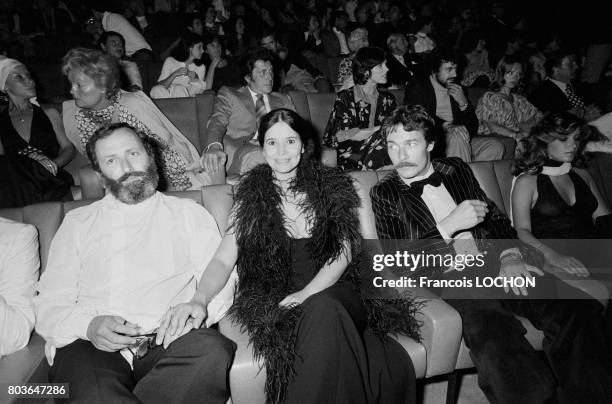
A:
(444, 235)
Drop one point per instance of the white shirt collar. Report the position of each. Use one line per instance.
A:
(560, 84)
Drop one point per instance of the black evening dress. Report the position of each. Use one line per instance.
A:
(338, 359)
(24, 181)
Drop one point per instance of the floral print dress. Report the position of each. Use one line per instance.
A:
(349, 112)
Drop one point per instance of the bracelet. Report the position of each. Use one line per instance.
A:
(212, 144)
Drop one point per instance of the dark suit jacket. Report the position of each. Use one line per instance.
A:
(548, 97)
(422, 92)
(399, 74)
(403, 215)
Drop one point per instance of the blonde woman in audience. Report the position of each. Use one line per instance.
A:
(357, 39)
(98, 101)
(33, 145)
(502, 111)
(184, 74)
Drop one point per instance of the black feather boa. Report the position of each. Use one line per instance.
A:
(264, 263)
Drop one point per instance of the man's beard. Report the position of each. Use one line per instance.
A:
(135, 191)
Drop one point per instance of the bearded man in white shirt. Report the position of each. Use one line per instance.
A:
(115, 267)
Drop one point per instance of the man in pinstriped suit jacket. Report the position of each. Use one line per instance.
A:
(442, 202)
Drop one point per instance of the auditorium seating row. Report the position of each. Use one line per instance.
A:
(441, 350)
(190, 115)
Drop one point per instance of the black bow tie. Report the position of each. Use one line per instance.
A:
(435, 180)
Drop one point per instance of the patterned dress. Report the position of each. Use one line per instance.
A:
(368, 154)
(508, 112)
(172, 165)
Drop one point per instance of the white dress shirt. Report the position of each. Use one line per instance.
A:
(133, 261)
(19, 263)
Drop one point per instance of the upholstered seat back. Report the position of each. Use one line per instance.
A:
(494, 178)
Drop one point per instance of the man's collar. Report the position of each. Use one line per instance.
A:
(116, 203)
(560, 84)
(253, 93)
(436, 84)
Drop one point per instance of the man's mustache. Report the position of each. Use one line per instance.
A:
(404, 164)
(124, 177)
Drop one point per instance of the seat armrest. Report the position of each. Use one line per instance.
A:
(591, 287)
(247, 375)
(440, 332)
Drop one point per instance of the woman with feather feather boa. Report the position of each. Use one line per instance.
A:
(294, 239)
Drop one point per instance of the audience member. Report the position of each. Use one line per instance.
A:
(236, 115)
(402, 64)
(358, 113)
(456, 120)
(357, 39)
(33, 145)
(114, 268)
(99, 101)
(183, 75)
(441, 201)
(501, 111)
(19, 263)
(239, 38)
(220, 71)
(113, 44)
(477, 71)
(423, 42)
(292, 70)
(314, 315)
(136, 46)
(555, 198)
(194, 25)
(335, 38)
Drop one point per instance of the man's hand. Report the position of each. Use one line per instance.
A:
(179, 320)
(568, 264)
(213, 160)
(456, 91)
(112, 333)
(466, 215)
(516, 268)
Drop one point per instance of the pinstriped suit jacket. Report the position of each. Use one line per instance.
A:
(400, 214)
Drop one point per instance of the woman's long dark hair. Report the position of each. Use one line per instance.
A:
(181, 52)
(552, 127)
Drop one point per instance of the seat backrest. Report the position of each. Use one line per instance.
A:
(320, 106)
(494, 178)
(218, 201)
(301, 103)
(47, 218)
(485, 174)
(183, 113)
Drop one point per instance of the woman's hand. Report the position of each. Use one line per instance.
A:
(179, 320)
(44, 161)
(568, 264)
(294, 299)
(181, 71)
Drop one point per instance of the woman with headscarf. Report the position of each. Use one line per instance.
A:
(33, 145)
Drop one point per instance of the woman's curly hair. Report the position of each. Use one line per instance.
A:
(557, 126)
